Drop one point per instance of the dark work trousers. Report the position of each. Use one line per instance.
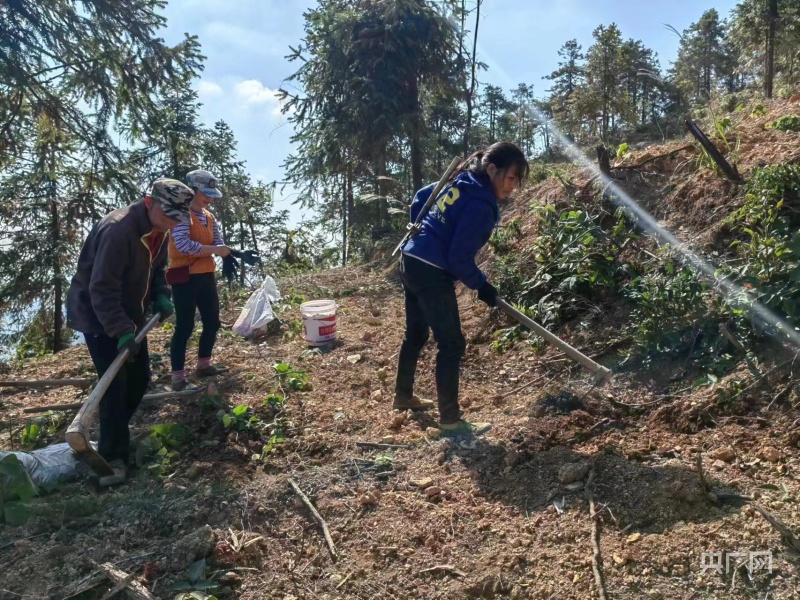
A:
(201, 294)
(122, 397)
(430, 296)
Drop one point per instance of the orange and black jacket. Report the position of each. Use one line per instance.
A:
(120, 272)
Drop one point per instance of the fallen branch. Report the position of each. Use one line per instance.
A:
(77, 405)
(597, 558)
(83, 383)
(318, 517)
(445, 568)
(377, 446)
(133, 588)
(729, 171)
(652, 158)
(787, 536)
(119, 587)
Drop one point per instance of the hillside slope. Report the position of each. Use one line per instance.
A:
(503, 516)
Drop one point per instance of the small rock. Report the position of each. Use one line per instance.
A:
(377, 394)
(465, 402)
(726, 454)
(194, 546)
(770, 454)
(620, 560)
(512, 457)
(22, 546)
(718, 465)
(382, 373)
(368, 500)
(423, 483)
(574, 487)
(354, 358)
(231, 578)
(194, 471)
(634, 537)
(58, 551)
(433, 491)
(572, 472)
(367, 336)
(387, 439)
(398, 421)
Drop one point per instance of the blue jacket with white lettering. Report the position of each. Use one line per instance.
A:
(456, 227)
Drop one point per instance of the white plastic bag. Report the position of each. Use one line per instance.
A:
(50, 465)
(257, 313)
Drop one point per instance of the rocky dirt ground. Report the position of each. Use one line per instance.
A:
(506, 516)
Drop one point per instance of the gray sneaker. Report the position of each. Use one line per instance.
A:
(119, 477)
(463, 429)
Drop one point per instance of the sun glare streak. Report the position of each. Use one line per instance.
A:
(732, 292)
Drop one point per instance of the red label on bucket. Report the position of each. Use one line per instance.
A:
(327, 330)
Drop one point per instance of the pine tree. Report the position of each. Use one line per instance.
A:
(566, 79)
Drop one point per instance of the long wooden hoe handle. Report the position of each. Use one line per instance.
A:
(77, 435)
(602, 374)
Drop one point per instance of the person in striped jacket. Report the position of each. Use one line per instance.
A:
(192, 248)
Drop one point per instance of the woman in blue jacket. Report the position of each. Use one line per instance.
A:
(457, 226)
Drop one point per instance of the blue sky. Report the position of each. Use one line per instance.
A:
(246, 41)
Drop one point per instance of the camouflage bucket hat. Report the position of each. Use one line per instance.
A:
(174, 198)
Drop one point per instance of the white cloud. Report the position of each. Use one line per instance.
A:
(252, 92)
(208, 88)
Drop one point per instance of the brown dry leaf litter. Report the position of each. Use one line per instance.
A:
(502, 517)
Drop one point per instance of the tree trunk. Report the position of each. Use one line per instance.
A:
(604, 160)
(417, 127)
(351, 209)
(769, 70)
(380, 172)
(242, 241)
(55, 253)
(344, 220)
(471, 94)
(58, 305)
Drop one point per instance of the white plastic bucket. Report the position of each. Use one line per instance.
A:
(319, 321)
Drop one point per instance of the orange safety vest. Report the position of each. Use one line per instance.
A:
(202, 234)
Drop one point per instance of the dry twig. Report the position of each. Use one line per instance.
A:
(597, 558)
(319, 519)
(445, 568)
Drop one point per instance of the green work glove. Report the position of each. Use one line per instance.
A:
(128, 342)
(164, 306)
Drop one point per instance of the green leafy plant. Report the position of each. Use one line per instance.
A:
(766, 245)
(503, 237)
(195, 581)
(32, 436)
(275, 439)
(240, 418)
(669, 303)
(786, 123)
(160, 448)
(275, 401)
(623, 150)
(291, 378)
(16, 491)
(294, 329)
(759, 110)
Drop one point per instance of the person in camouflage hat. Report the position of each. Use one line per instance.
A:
(120, 274)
